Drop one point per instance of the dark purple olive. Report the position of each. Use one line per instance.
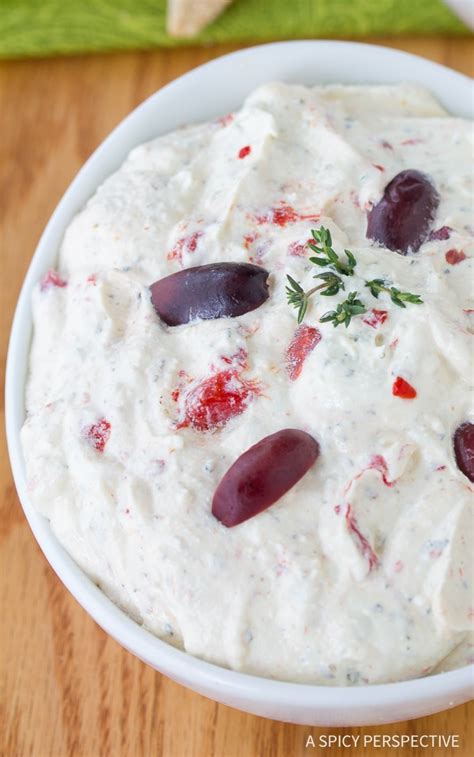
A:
(464, 449)
(218, 290)
(402, 219)
(263, 474)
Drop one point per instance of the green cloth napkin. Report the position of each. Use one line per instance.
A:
(47, 27)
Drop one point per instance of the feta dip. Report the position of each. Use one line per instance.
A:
(359, 573)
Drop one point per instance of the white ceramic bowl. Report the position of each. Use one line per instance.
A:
(208, 91)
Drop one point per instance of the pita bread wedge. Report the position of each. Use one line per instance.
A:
(188, 17)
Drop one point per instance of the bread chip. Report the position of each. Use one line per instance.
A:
(188, 17)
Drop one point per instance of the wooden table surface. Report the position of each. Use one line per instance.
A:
(67, 688)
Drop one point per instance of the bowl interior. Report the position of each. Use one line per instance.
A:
(204, 93)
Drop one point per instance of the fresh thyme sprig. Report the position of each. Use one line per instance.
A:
(299, 298)
(332, 284)
(331, 259)
(399, 298)
(344, 311)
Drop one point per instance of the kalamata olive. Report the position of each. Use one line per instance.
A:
(464, 449)
(402, 219)
(263, 474)
(217, 290)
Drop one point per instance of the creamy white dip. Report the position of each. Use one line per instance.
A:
(361, 573)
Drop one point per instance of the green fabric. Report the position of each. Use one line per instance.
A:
(47, 27)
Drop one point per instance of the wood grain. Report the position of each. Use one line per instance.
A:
(67, 688)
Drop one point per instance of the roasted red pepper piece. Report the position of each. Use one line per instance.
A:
(303, 343)
(403, 389)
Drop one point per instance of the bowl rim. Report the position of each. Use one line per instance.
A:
(182, 666)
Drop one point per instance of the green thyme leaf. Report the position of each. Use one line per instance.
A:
(399, 298)
(331, 284)
(327, 255)
(345, 311)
